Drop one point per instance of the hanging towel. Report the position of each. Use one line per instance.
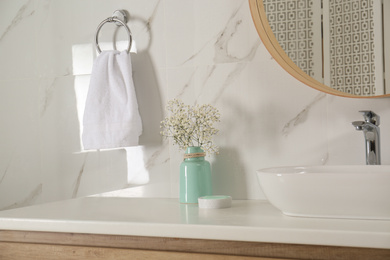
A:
(111, 116)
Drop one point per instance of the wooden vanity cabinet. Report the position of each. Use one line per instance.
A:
(17, 245)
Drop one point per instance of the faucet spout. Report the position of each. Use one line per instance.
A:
(371, 131)
(358, 125)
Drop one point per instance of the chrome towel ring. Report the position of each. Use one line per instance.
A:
(120, 18)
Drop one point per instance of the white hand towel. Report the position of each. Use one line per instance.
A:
(111, 116)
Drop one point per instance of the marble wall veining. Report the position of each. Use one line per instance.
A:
(197, 50)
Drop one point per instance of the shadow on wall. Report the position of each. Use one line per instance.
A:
(150, 108)
(149, 98)
(228, 174)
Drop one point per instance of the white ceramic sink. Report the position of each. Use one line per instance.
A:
(358, 191)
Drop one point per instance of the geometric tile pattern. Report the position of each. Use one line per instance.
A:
(352, 46)
(291, 22)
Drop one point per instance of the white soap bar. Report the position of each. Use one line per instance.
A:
(215, 202)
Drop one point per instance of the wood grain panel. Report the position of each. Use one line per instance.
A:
(220, 247)
(18, 251)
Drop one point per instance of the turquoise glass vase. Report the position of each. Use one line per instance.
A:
(195, 176)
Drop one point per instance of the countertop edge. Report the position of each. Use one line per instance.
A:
(205, 232)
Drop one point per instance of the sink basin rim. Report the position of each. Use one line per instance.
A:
(327, 169)
(337, 191)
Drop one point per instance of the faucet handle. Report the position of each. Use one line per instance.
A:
(370, 117)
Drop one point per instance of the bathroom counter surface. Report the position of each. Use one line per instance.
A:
(246, 220)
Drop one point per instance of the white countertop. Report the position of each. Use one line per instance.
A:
(246, 220)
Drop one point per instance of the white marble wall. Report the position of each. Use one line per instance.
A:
(198, 50)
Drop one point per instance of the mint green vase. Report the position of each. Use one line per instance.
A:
(195, 177)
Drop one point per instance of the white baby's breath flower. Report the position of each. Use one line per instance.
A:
(191, 126)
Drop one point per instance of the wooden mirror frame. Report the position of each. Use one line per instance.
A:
(270, 42)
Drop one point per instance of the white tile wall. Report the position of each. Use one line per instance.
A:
(197, 50)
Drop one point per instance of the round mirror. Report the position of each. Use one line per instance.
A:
(335, 46)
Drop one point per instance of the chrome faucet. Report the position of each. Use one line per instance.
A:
(370, 128)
